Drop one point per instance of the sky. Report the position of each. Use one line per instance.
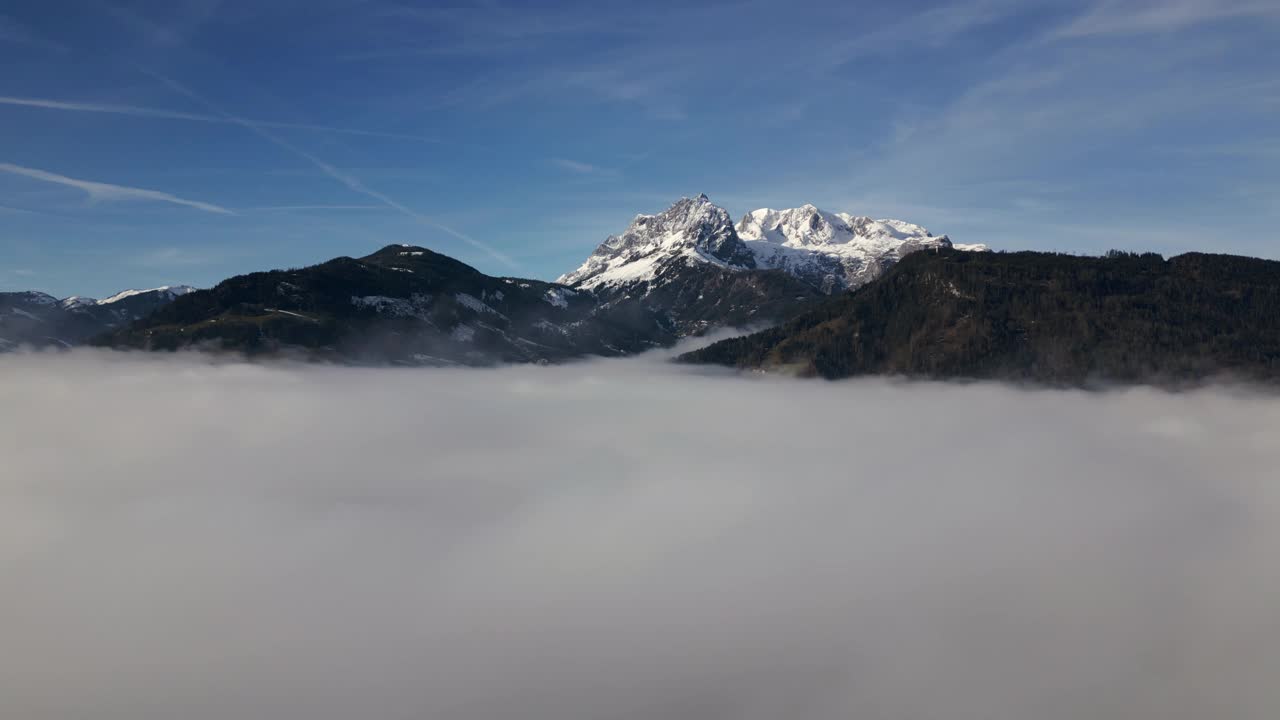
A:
(152, 142)
(506, 544)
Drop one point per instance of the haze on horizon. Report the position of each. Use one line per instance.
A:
(152, 143)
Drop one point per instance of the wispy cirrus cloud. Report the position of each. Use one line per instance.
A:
(162, 114)
(1130, 17)
(100, 191)
(933, 27)
(303, 208)
(577, 167)
(998, 143)
(171, 257)
(653, 84)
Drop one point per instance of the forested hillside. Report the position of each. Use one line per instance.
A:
(1049, 318)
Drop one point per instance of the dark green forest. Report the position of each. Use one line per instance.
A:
(1041, 317)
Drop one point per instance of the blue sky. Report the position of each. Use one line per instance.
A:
(182, 141)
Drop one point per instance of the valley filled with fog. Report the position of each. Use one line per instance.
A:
(626, 539)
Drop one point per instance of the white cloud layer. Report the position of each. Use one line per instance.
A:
(622, 540)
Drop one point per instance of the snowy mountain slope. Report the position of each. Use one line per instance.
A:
(166, 293)
(833, 251)
(76, 301)
(131, 305)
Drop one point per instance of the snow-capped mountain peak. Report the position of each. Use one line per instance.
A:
(693, 230)
(830, 251)
(799, 227)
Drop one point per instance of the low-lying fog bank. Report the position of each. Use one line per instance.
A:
(626, 540)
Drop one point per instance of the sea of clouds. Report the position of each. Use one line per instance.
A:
(627, 540)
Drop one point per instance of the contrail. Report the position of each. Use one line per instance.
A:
(138, 111)
(353, 183)
(287, 208)
(107, 191)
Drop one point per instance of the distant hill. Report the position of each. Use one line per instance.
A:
(1040, 317)
(36, 319)
(401, 305)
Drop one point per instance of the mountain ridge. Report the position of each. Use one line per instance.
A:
(402, 304)
(771, 265)
(831, 251)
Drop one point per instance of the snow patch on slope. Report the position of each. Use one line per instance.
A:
(173, 291)
(473, 303)
(559, 297)
(75, 302)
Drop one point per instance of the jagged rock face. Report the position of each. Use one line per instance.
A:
(691, 231)
(688, 266)
(708, 228)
